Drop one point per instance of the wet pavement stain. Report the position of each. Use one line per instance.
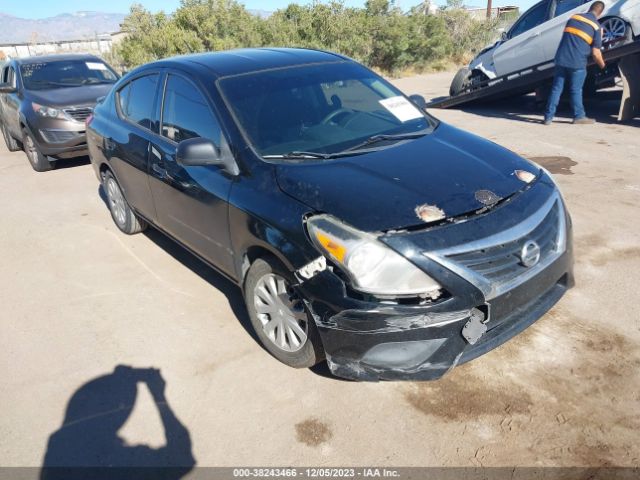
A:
(556, 165)
(460, 396)
(313, 432)
(569, 374)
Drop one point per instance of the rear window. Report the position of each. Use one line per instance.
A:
(137, 99)
(65, 73)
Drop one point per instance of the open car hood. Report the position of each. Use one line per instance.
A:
(450, 170)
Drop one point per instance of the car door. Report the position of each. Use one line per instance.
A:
(522, 49)
(127, 143)
(551, 31)
(191, 202)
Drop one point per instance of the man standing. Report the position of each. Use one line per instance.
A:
(582, 37)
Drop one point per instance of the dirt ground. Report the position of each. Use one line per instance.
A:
(79, 298)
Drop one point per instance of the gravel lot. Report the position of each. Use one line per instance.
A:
(79, 298)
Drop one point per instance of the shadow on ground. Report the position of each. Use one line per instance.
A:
(603, 107)
(87, 445)
(72, 163)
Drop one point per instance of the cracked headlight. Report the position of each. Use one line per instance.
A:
(371, 266)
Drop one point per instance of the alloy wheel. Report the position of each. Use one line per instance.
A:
(281, 312)
(116, 201)
(614, 29)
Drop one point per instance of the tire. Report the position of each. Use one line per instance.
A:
(618, 31)
(297, 347)
(38, 161)
(123, 216)
(460, 81)
(11, 143)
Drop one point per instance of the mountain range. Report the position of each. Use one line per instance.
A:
(66, 26)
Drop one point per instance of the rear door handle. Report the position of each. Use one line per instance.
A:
(534, 35)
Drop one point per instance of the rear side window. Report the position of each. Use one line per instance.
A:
(533, 18)
(563, 6)
(137, 98)
(186, 113)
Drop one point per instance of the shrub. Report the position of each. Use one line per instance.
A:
(380, 35)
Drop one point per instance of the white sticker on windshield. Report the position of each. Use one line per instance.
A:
(401, 108)
(95, 66)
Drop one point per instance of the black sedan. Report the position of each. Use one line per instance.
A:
(359, 228)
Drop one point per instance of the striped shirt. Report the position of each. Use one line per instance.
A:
(581, 33)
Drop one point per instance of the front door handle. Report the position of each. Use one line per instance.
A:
(159, 170)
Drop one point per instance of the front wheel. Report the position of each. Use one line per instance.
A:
(279, 316)
(123, 216)
(460, 81)
(38, 161)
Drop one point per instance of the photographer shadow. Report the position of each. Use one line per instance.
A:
(87, 445)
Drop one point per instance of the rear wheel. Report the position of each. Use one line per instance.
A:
(12, 143)
(615, 29)
(460, 81)
(123, 216)
(279, 316)
(38, 161)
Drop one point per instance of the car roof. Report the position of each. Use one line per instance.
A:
(248, 60)
(55, 58)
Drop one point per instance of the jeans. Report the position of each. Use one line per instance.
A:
(576, 78)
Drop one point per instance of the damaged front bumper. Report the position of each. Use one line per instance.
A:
(416, 343)
(395, 343)
(366, 340)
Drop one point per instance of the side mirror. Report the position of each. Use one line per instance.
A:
(419, 101)
(504, 36)
(197, 152)
(7, 88)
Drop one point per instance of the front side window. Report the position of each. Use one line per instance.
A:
(532, 18)
(327, 109)
(137, 99)
(186, 113)
(65, 73)
(10, 76)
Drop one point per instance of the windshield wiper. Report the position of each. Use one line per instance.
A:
(349, 151)
(383, 138)
(324, 156)
(54, 84)
(93, 81)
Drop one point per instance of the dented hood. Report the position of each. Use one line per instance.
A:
(381, 190)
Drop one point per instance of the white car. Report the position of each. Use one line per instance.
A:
(534, 38)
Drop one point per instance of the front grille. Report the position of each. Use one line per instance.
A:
(59, 136)
(79, 114)
(494, 264)
(502, 263)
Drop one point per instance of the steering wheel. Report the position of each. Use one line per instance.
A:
(334, 114)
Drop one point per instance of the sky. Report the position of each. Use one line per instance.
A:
(49, 8)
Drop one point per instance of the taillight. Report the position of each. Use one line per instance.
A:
(88, 120)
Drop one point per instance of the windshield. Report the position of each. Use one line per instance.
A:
(320, 109)
(65, 73)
